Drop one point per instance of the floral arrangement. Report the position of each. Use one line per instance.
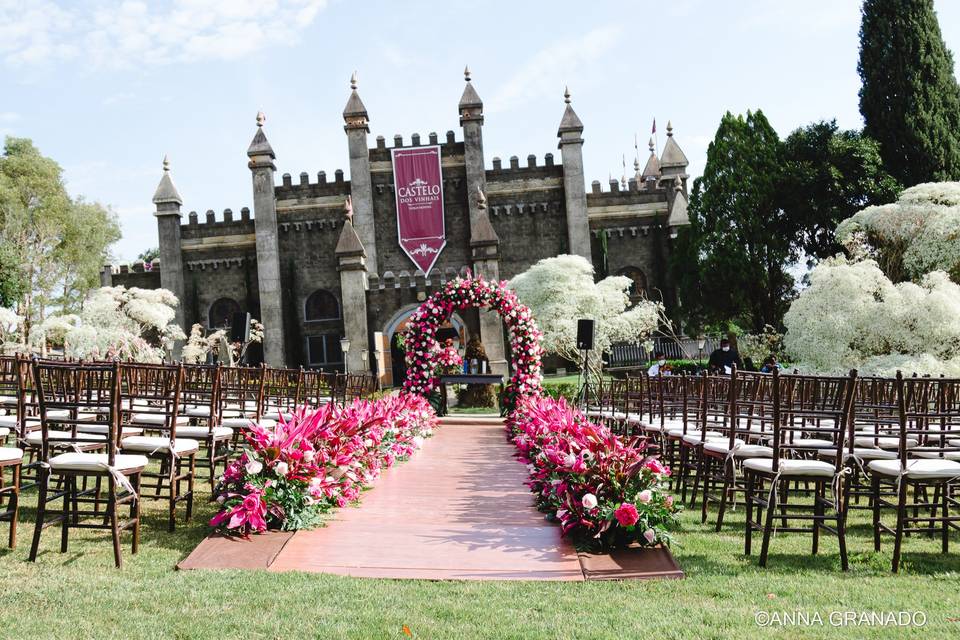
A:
(760, 346)
(448, 359)
(853, 316)
(200, 344)
(291, 475)
(603, 491)
(463, 293)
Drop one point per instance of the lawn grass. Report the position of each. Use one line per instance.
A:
(80, 595)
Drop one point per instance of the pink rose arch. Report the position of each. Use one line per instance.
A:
(463, 293)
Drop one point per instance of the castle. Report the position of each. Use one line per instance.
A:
(312, 277)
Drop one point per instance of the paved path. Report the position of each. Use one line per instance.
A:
(457, 510)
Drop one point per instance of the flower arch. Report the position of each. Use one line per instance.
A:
(464, 293)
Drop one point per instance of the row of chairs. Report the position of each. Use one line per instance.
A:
(837, 443)
(86, 433)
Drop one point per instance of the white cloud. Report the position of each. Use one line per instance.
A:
(552, 66)
(131, 33)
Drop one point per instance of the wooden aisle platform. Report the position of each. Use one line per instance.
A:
(458, 510)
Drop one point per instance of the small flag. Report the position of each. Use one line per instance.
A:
(654, 129)
(148, 266)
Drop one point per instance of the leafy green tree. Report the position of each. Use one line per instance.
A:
(730, 264)
(57, 244)
(11, 282)
(910, 99)
(828, 175)
(149, 255)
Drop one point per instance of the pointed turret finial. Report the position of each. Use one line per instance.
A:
(166, 164)
(353, 81)
(166, 192)
(481, 199)
(677, 184)
(466, 73)
(636, 165)
(261, 118)
(651, 144)
(348, 209)
(669, 128)
(566, 95)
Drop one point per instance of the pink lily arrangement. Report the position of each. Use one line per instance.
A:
(604, 491)
(292, 474)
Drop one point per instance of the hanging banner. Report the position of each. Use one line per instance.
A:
(419, 190)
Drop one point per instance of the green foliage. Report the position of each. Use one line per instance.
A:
(149, 255)
(828, 175)
(566, 390)
(55, 246)
(730, 263)
(11, 279)
(910, 99)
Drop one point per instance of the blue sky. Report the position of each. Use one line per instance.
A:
(107, 88)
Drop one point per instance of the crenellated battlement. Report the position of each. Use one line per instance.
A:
(415, 281)
(226, 218)
(305, 188)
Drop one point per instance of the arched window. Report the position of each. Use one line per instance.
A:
(221, 312)
(638, 282)
(321, 305)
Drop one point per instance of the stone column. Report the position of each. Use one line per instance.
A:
(361, 188)
(268, 246)
(351, 263)
(167, 200)
(575, 195)
(471, 119)
(485, 251)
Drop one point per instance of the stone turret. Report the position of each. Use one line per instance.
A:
(268, 247)
(168, 201)
(673, 162)
(571, 149)
(651, 172)
(677, 213)
(485, 252)
(471, 119)
(357, 126)
(351, 263)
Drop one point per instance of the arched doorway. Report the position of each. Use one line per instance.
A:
(454, 328)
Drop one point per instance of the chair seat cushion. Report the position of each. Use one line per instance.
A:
(741, 450)
(862, 453)
(697, 437)
(9, 454)
(948, 455)
(95, 462)
(155, 418)
(102, 429)
(159, 444)
(918, 469)
(8, 422)
(197, 412)
(4, 432)
(192, 431)
(881, 442)
(242, 423)
(36, 437)
(793, 468)
(813, 443)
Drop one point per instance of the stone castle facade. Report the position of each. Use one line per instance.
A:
(313, 278)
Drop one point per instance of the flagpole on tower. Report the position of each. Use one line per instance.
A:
(656, 142)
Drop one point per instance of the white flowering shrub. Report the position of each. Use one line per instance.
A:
(199, 344)
(913, 236)
(115, 322)
(759, 346)
(853, 316)
(561, 290)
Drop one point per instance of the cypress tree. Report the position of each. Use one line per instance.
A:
(910, 99)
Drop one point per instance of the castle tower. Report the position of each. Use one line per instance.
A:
(268, 247)
(571, 149)
(673, 162)
(168, 201)
(471, 119)
(361, 189)
(351, 263)
(651, 172)
(484, 252)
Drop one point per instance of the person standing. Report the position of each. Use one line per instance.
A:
(723, 360)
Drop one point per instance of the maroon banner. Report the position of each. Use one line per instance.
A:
(419, 188)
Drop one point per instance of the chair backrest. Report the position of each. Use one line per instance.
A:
(929, 416)
(9, 387)
(817, 407)
(241, 391)
(751, 405)
(73, 392)
(282, 390)
(150, 396)
(200, 393)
